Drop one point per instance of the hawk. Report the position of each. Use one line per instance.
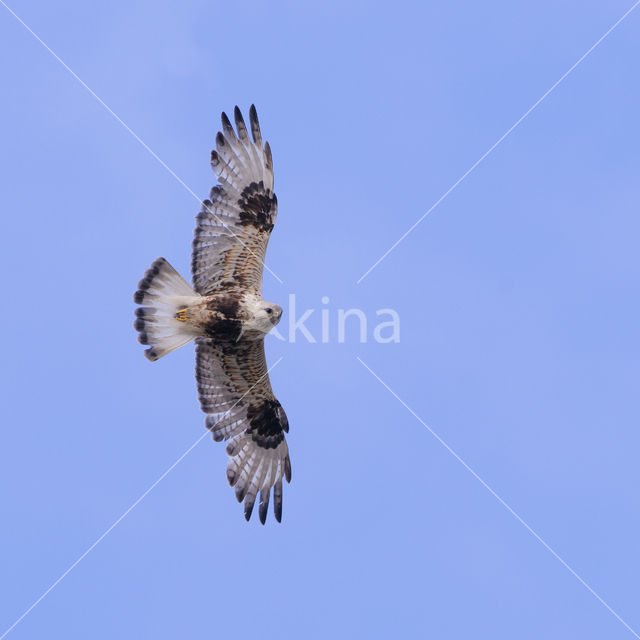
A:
(225, 314)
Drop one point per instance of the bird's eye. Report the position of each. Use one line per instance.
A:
(269, 310)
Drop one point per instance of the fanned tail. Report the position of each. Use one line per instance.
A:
(163, 292)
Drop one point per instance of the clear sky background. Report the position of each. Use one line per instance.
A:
(518, 298)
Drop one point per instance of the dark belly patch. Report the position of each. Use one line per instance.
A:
(224, 328)
(226, 318)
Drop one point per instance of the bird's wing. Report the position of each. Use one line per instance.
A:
(234, 225)
(234, 388)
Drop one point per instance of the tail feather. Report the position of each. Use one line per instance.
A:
(162, 292)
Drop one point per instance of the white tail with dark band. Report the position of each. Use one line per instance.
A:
(162, 293)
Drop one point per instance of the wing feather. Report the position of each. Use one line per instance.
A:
(243, 136)
(235, 390)
(234, 225)
(277, 499)
(264, 505)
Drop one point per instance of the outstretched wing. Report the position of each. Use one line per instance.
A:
(234, 225)
(234, 388)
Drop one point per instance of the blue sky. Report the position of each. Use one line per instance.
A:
(518, 299)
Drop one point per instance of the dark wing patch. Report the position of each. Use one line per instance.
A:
(268, 423)
(234, 388)
(234, 225)
(257, 207)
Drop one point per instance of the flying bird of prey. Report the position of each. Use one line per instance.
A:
(225, 314)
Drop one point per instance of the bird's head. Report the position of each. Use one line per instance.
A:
(272, 312)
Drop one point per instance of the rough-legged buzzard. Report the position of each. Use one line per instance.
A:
(225, 314)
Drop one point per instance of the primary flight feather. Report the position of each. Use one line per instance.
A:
(225, 314)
